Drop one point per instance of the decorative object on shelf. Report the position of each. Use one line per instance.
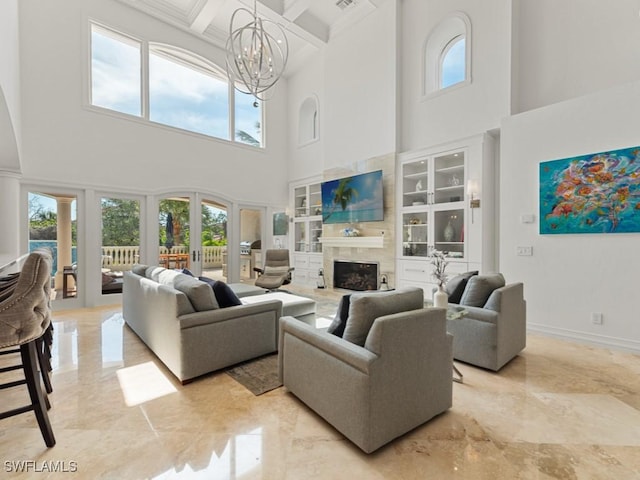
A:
(318, 210)
(320, 281)
(415, 221)
(350, 232)
(454, 181)
(384, 284)
(257, 53)
(449, 230)
(439, 262)
(419, 187)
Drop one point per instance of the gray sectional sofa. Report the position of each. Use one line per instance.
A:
(179, 319)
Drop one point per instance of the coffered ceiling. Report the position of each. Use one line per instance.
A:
(309, 24)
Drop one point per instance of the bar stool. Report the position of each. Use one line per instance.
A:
(25, 321)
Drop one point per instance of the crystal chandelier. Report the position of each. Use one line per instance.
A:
(257, 53)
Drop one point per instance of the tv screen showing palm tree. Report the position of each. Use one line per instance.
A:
(353, 199)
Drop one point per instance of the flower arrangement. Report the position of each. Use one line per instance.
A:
(350, 232)
(439, 262)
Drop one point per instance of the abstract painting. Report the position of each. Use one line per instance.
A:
(595, 193)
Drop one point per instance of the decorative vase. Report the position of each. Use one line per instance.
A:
(449, 232)
(440, 298)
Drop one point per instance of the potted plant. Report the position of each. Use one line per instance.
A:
(439, 262)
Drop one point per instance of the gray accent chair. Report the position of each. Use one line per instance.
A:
(494, 330)
(374, 393)
(276, 269)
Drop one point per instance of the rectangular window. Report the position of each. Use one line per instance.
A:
(248, 119)
(184, 97)
(115, 72)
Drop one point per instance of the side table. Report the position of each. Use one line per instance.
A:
(453, 313)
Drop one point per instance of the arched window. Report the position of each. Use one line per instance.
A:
(447, 54)
(308, 121)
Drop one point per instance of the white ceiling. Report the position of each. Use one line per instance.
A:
(309, 24)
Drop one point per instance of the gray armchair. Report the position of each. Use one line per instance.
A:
(400, 378)
(493, 331)
(276, 270)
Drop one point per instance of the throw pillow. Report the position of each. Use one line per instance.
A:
(479, 288)
(186, 271)
(340, 320)
(364, 308)
(139, 269)
(223, 293)
(456, 285)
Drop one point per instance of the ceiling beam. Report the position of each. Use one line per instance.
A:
(294, 8)
(206, 15)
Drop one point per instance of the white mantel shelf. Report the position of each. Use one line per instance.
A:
(355, 242)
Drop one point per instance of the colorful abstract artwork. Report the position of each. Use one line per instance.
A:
(596, 193)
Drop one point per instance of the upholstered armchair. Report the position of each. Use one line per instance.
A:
(276, 270)
(372, 393)
(494, 330)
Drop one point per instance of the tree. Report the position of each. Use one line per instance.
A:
(120, 222)
(342, 196)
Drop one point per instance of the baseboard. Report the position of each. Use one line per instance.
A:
(614, 343)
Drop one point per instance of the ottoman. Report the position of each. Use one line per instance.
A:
(244, 290)
(292, 305)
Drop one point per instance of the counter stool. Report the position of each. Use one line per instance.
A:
(25, 328)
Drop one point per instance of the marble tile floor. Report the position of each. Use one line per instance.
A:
(558, 411)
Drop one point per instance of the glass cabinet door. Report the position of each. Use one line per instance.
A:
(300, 200)
(300, 237)
(415, 183)
(449, 232)
(415, 237)
(315, 199)
(315, 232)
(449, 178)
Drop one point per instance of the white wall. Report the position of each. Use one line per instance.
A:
(570, 276)
(354, 77)
(9, 87)
(66, 142)
(572, 48)
(464, 111)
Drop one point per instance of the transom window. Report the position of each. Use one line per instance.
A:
(184, 90)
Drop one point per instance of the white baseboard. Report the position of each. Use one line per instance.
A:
(614, 343)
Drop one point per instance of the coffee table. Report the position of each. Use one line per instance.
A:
(453, 313)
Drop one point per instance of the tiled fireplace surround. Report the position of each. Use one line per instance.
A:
(384, 256)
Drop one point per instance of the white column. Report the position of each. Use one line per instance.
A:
(9, 216)
(63, 236)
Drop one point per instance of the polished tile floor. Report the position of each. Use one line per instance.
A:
(558, 411)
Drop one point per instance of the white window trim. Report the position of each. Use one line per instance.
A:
(174, 53)
(434, 49)
(316, 121)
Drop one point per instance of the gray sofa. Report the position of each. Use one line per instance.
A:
(178, 318)
(495, 328)
(397, 380)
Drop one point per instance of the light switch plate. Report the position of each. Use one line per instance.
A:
(524, 251)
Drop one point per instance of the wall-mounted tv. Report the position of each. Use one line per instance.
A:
(353, 199)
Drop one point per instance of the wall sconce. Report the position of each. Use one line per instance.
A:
(472, 191)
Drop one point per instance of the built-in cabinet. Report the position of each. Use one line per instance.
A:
(307, 231)
(435, 189)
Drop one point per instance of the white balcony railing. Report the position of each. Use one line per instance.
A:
(123, 258)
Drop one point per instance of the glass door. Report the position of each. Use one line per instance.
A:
(120, 240)
(53, 224)
(250, 243)
(212, 253)
(174, 232)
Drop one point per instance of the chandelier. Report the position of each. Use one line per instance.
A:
(257, 53)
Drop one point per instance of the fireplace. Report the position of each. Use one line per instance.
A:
(359, 276)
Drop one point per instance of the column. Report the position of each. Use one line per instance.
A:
(63, 236)
(9, 216)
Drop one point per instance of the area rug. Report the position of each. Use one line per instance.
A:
(259, 375)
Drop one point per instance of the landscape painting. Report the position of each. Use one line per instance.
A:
(595, 193)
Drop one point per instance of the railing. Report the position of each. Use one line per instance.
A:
(123, 258)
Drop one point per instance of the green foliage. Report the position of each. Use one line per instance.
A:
(120, 222)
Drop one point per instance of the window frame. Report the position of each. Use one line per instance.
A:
(442, 37)
(176, 54)
(443, 56)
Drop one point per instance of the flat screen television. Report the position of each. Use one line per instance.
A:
(353, 199)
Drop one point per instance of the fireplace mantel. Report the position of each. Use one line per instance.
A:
(355, 242)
